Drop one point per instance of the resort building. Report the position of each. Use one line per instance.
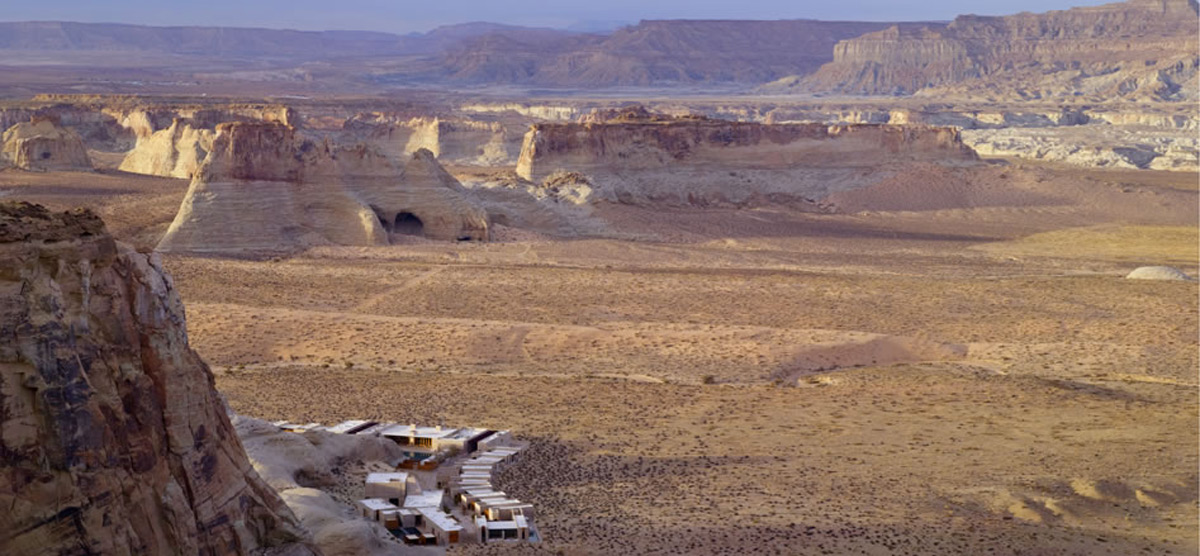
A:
(392, 487)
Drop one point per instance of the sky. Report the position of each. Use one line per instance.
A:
(404, 16)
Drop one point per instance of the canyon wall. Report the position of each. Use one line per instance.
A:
(265, 187)
(698, 161)
(1141, 49)
(113, 439)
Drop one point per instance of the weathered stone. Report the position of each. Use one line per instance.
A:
(112, 437)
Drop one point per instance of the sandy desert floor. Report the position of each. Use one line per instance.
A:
(943, 367)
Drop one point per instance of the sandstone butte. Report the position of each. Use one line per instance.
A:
(1140, 49)
(113, 439)
(635, 157)
(42, 145)
(264, 187)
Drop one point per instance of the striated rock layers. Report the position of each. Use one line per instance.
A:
(1141, 49)
(699, 162)
(264, 187)
(113, 439)
(42, 145)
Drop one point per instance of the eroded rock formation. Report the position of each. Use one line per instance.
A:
(698, 161)
(177, 151)
(458, 141)
(43, 145)
(264, 187)
(112, 437)
(1140, 49)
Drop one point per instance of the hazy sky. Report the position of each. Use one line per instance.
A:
(402, 16)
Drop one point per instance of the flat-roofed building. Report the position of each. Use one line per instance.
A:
(492, 531)
(376, 509)
(351, 427)
(444, 527)
(507, 510)
(394, 486)
(433, 439)
(424, 500)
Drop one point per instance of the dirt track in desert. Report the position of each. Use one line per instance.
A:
(893, 379)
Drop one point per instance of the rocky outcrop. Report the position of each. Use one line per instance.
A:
(1097, 145)
(176, 152)
(698, 161)
(42, 145)
(458, 141)
(1141, 49)
(1169, 273)
(306, 467)
(265, 187)
(113, 439)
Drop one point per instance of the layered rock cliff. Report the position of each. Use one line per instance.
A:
(265, 187)
(112, 437)
(43, 145)
(1140, 49)
(698, 161)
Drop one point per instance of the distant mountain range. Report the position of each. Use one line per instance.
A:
(1140, 48)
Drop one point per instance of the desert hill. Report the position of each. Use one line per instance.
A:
(657, 52)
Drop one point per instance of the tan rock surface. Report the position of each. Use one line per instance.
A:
(43, 145)
(114, 439)
(265, 188)
(175, 152)
(697, 161)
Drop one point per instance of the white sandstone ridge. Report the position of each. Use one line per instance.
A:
(1158, 273)
(457, 141)
(264, 187)
(43, 145)
(177, 151)
(637, 158)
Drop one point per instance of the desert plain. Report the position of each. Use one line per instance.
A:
(903, 376)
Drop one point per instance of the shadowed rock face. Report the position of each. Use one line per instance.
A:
(1142, 49)
(112, 437)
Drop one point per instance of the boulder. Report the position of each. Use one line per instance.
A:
(1158, 273)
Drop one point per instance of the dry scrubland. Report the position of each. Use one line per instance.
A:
(897, 380)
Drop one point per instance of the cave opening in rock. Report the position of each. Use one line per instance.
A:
(408, 224)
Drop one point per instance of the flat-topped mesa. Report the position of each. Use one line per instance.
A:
(265, 187)
(42, 145)
(114, 440)
(700, 161)
(1133, 50)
